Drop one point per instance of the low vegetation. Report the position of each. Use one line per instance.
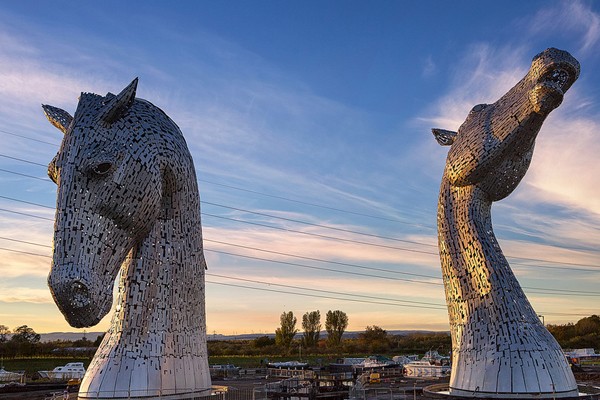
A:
(583, 334)
(22, 350)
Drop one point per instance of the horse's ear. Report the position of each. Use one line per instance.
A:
(117, 106)
(58, 117)
(444, 137)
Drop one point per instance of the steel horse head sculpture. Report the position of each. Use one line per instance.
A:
(500, 347)
(128, 202)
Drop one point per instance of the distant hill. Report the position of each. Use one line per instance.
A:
(72, 336)
(49, 337)
(347, 335)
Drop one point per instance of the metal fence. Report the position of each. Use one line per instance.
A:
(195, 394)
(239, 394)
(390, 393)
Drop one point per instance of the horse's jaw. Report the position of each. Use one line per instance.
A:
(83, 299)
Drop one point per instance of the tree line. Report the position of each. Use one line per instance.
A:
(287, 342)
(336, 323)
(585, 333)
(23, 341)
(373, 340)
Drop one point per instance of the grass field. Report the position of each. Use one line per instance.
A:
(260, 361)
(32, 365)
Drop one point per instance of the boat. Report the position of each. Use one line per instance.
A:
(74, 370)
(7, 377)
(345, 364)
(288, 365)
(434, 358)
(377, 361)
(402, 360)
(424, 369)
(223, 370)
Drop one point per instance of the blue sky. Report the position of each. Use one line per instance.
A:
(318, 112)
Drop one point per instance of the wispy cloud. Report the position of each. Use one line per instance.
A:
(483, 75)
(15, 294)
(315, 244)
(20, 230)
(571, 17)
(569, 228)
(565, 166)
(429, 67)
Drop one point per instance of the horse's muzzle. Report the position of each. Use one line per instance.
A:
(79, 299)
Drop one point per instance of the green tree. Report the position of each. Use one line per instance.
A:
(263, 341)
(562, 333)
(285, 334)
(83, 342)
(98, 340)
(336, 323)
(374, 339)
(584, 333)
(25, 334)
(588, 325)
(311, 324)
(4, 331)
(24, 341)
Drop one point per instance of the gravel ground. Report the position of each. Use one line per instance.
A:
(590, 376)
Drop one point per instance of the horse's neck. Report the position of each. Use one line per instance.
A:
(162, 288)
(157, 339)
(473, 265)
(469, 251)
(464, 216)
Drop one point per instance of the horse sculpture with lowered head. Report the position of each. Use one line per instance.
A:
(128, 202)
(500, 348)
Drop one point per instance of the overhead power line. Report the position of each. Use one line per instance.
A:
(318, 234)
(313, 204)
(340, 239)
(319, 225)
(25, 175)
(320, 259)
(25, 214)
(28, 138)
(398, 248)
(23, 160)
(360, 301)
(544, 290)
(327, 291)
(323, 269)
(433, 305)
(411, 302)
(335, 228)
(25, 252)
(27, 202)
(316, 296)
(322, 206)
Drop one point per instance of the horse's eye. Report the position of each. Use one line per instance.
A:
(102, 168)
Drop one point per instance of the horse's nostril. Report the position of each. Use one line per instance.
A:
(80, 295)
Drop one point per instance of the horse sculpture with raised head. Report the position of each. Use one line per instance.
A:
(128, 202)
(500, 348)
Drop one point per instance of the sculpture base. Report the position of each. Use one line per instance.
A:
(145, 395)
(442, 391)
